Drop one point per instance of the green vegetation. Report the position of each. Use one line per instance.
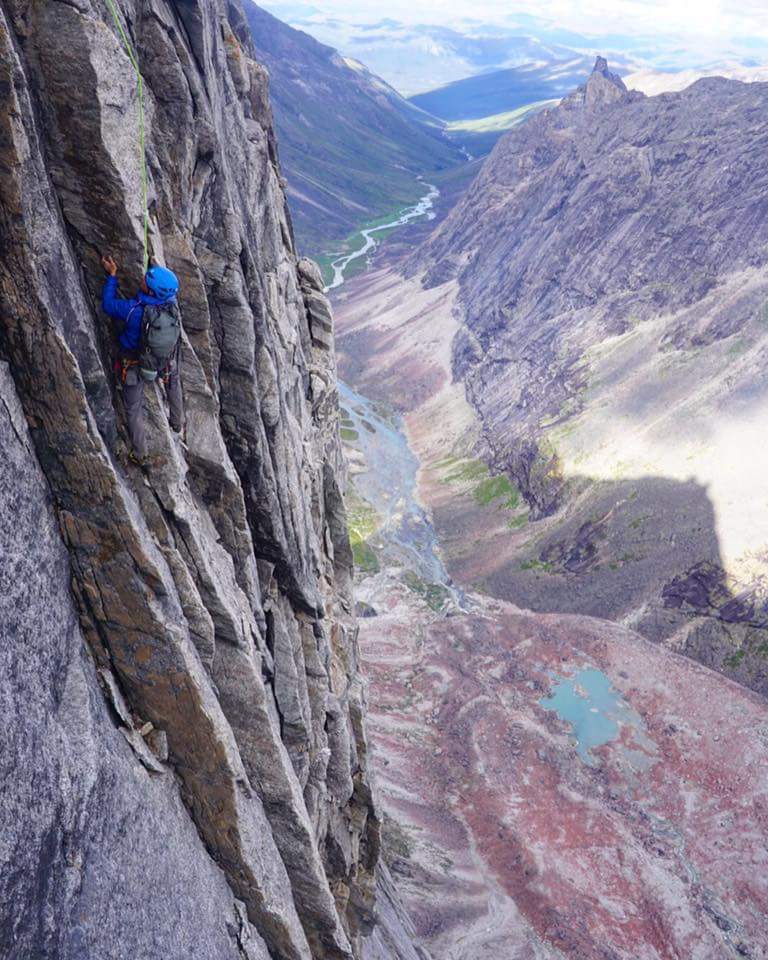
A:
(434, 594)
(516, 522)
(385, 412)
(363, 522)
(495, 488)
(356, 241)
(365, 558)
(499, 122)
(467, 471)
(538, 565)
(486, 489)
(735, 659)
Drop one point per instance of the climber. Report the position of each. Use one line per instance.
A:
(149, 334)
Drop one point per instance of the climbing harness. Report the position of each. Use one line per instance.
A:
(121, 368)
(123, 365)
(142, 134)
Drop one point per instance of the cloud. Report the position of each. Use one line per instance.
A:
(710, 18)
(421, 44)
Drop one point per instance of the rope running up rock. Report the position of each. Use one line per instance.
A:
(142, 128)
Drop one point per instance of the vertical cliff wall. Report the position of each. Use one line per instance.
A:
(184, 766)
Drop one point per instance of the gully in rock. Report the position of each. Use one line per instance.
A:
(388, 481)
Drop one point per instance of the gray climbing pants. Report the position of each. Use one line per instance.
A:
(133, 399)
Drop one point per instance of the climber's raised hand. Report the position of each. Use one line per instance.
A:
(109, 265)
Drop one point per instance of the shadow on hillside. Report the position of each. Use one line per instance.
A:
(643, 551)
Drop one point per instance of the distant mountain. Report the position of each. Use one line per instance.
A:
(418, 56)
(494, 93)
(652, 82)
(478, 110)
(351, 147)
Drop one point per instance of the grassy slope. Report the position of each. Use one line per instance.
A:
(499, 122)
(479, 136)
(499, 92)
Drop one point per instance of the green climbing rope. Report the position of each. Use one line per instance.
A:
(142, 130)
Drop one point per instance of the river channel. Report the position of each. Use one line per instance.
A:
(421, 209)
(386, 478)
(384, 467)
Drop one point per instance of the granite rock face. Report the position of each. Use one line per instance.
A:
(93, 826)
(611, 259)
(184, 770)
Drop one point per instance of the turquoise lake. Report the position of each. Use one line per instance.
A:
(595, 711)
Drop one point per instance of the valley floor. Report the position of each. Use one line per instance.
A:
(556, 785)
(516, 838)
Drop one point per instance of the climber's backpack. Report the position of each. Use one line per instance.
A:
(160, 334)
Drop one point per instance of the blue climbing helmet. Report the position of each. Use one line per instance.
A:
(163, 283)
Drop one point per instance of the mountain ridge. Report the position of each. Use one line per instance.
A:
(607, 244)
(486, 94)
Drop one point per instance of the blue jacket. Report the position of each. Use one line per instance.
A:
(128, 314)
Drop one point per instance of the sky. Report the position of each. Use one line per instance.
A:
(418, 45)
(717, 19)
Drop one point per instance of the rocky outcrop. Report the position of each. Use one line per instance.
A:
(186, 769)
(603, 87)
(611, 209)
(611, 262)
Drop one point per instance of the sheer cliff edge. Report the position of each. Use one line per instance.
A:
(184, 764)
